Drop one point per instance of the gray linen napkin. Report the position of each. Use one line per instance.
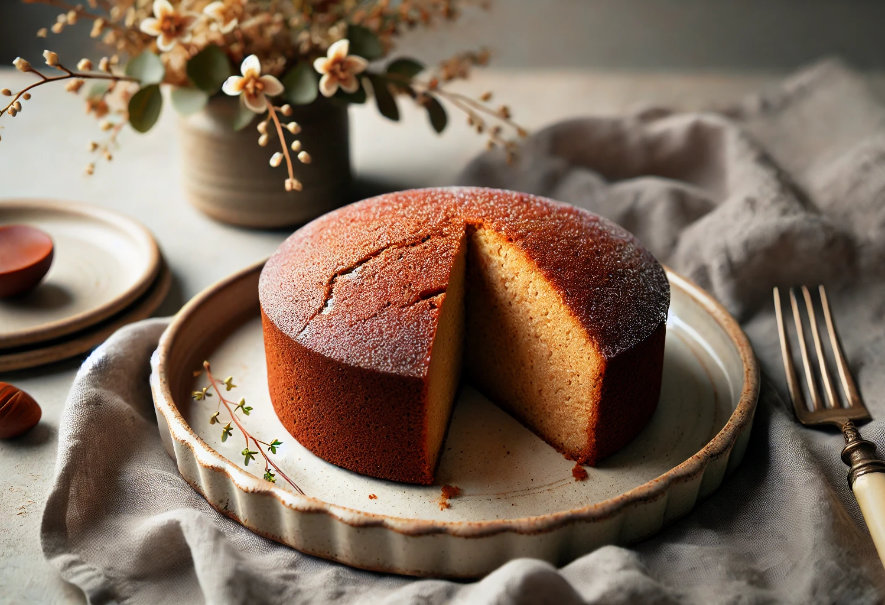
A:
(783, 188)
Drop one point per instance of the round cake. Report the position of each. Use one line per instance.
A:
(371, 313)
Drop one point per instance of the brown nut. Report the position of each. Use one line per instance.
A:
(18, 411)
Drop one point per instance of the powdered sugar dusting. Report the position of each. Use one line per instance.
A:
(366, 278)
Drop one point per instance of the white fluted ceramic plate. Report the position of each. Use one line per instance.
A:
(103, 262)
(519, 497)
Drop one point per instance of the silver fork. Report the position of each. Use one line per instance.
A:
(866, 474)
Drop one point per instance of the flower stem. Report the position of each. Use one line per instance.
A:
(279, 127)
(227, 404)
(68, 75)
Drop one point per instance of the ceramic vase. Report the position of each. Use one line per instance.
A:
(227, 175)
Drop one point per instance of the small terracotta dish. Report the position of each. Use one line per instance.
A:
(25, 256)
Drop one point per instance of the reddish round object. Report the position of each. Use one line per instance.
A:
(18, 411)
(25, 257)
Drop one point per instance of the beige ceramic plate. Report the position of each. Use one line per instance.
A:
(103, 262)
(17, 358)
(519, 496)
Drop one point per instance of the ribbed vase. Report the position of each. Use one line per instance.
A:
(227, 175)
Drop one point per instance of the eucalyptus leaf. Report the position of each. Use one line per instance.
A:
(147, 67)
(209, 68)
(243, 117)
(364, 42)
(437, 114)
(383, 98)
(188, 100)
(301, 84)
(405, 67)
(98, 89)
(144, 107)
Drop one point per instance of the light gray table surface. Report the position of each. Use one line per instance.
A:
(43, 155)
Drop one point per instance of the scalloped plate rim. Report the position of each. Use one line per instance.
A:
(721, 444)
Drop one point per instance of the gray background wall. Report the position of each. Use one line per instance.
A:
(608, 34)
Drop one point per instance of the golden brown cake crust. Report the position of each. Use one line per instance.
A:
(318, 324)
(617, 289)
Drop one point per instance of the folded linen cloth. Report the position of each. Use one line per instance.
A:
(781, 189)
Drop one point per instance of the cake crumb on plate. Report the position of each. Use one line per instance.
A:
(448, 491)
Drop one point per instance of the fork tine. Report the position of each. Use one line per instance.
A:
(803, 349)
(832, 398)
(848, 386)
(789, 368)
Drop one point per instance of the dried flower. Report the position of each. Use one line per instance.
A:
(168, 25)
(21, 64)
(252, 85)
(97, 28)
(225, 14)
(339, 69)
(186, 42)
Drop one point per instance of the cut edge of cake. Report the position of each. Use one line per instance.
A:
(525, 349)
(446, 354)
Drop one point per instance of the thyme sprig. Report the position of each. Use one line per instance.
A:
(253, 445)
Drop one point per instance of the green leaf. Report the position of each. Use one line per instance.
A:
(248, 455)
(301, 84)
(270, 476)
(226, 432)
(272, 446)
(407, 68)
(144, 107)
(383, 98)
(147, 67)
(188, 100)
(437, 114)
(209, 68)
(243, 117)
(364, 42)
(98, 89)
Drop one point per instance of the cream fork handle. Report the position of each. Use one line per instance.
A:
(869, 489)
(866, 477)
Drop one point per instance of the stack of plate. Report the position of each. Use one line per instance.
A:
(107, 271)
